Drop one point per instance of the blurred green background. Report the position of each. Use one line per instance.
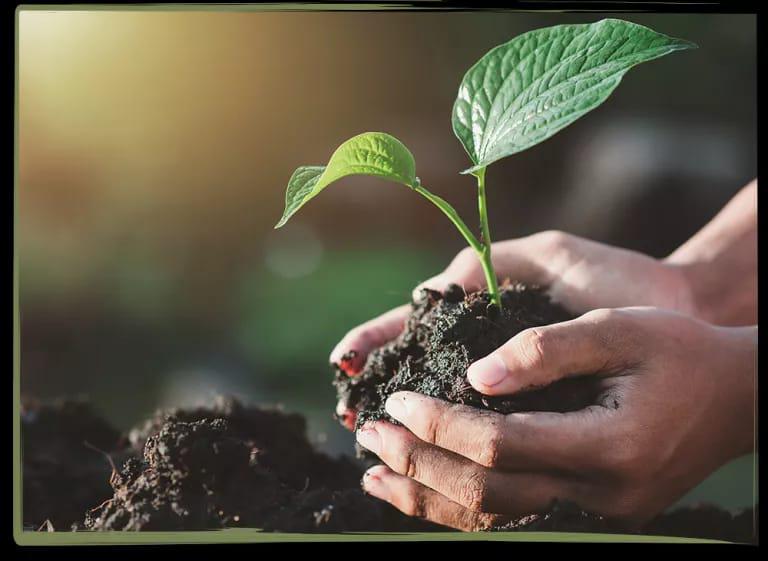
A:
(154, 148)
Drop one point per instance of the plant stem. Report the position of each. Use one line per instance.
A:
(452, 215)
(482, 246)
(485, 241)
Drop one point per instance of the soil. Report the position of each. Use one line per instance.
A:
(707, 521)
(448, 331)
(64, 467)
(444, 334)
(231, 465)
(704, 520)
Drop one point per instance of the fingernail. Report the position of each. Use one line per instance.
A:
(374, 485)
(435, 283)
(369, 438)
(341, 408)
(346, 415)
(336, 353)
(350, 362)
(397, 407)
(487, 371)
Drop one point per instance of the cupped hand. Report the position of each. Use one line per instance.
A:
(580, 274)
(677, 402)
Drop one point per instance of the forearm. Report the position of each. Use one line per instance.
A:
(720, 263)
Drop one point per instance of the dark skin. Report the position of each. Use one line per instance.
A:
(673, 341)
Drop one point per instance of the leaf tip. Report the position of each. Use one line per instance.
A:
(687, 44)
(280, 223)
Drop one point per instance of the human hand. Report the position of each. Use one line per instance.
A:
(678, 402)
(580, 274)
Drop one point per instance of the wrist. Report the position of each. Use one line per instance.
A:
(716, 292)
(684, 288)
(738, 388)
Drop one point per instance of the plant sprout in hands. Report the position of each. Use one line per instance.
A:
(516, 96)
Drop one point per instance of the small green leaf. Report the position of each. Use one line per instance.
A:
(524, 91)
(371, 153)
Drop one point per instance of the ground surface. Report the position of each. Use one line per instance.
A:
(231, 465)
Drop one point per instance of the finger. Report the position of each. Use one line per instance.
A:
(520, 441)
(414, 499)
(531, 259)
(457, 478)
(536, 357)
(350, 353)
(464, 270)
(473, 433)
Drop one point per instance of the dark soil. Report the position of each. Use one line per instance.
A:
(706, 521)
(442, 337)
(64, 467)
(700, 521)
(448, 331)
(232, 465)
(562, 516)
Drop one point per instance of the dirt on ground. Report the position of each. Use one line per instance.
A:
(232, 465)
(220, 466)
(65, 466)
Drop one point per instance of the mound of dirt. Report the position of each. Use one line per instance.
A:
(232, 465)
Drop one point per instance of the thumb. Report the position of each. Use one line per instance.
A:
(540, 356)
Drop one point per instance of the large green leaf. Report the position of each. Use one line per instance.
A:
(371, 153)
(524, 91)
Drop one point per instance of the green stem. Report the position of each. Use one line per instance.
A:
(482, 246)
(452, 215)
(485, 240)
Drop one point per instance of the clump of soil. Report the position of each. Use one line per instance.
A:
(444, 334)
(281, 439)
(64, 467)
(236, 466)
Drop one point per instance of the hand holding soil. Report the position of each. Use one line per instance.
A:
(675, 389)
(676, 404)
(581, 275)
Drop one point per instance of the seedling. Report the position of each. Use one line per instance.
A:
(516, 96)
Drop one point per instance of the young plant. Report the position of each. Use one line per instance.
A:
(516, 96)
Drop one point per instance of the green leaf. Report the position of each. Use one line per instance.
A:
(524, 91)
(371, 153)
